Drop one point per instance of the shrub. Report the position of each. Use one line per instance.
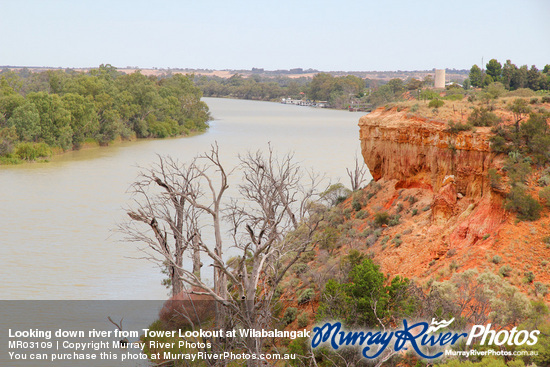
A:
(306, 296)
(454, 97)
(545, 99)
(299, 268)
(356, 205)
(534, 101)
(544, 181)
(32, 151)
(381, 218)
(290, 315)
(526, 207)
(414, 107)
(482, 117)
(394, 220)
(458, 127)
(505, 270)
(496, 259)
(397, 240)
(303, 320)
(436, 103)
(494, 178)
(521, 92)
(428, 94)
(541, 288)
(414, 212)
(529, 277)
(544, 195)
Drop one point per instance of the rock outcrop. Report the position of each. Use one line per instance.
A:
(451, 167)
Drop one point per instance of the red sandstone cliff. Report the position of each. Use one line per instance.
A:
(460, 221)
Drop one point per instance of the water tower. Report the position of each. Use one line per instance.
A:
(439, 82)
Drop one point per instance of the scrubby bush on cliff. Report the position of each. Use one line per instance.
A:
(436, 103)
(544, 195)
(381, 218)
(458, 127)
(526, 207)
(483, 117)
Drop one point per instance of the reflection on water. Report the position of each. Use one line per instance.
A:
(56, 218)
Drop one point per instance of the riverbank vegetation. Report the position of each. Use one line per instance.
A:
(58, 110)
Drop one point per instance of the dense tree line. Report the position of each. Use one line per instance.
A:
(338, 91)
(510, 76)
(64, 109)
(254, 87)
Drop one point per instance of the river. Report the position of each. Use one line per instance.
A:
(57, 218)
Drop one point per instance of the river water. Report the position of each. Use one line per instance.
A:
(57, 218)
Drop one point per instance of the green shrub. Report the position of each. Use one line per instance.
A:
(496, 259)
(529, 276)
(458, 127)
(303, 320)
(521, 92)
(305, 296)
(541, 288)
(428, 94)
(545, 99)
(544, 195)
(381, 218)
(290, 315)
(436, 103)
(454, 97)
(494, 178)
(526, 207)
(482, 117)
(505, 270)
(534, 101)
(544, 181)
(299, 268)
(414, 107)
(356, 205)
(362, 214)
(414, 212)
(32, 151)
(394, 220)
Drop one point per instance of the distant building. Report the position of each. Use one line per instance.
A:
(439, 82)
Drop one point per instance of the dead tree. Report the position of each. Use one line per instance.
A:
(271, 225)
(357, 176)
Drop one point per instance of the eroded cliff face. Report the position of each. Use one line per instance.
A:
(414, 151)
(450, 168)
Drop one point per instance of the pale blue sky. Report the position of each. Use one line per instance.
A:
(324, 35)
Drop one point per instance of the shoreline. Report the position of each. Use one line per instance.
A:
(88, 146)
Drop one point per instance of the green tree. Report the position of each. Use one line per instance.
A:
(26, 121)
(476, 76)
(494, 69)
(364, 299)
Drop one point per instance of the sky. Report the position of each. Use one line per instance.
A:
(324, 35)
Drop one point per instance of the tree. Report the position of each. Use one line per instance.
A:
(535, 80)
(396, 85)
(271, 225)
(357, 176)
(476, 76)
(26, 121)
(520, 109)
(494, 69)
(507, 73)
